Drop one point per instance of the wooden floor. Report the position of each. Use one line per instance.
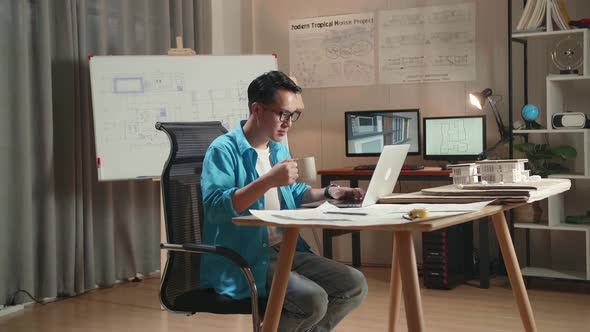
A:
(135, 307)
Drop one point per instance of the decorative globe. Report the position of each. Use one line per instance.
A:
(530, 112)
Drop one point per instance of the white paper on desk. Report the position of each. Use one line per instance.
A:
(377, 214)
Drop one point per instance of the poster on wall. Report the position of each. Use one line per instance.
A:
(427, 44)
(333, 51)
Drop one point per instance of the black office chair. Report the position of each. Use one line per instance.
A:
(180, 289)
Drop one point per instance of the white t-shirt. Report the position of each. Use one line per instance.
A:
(271, 197)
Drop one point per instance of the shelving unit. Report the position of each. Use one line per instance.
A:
(550, 273)
(558, 227)
(547, 35)
(563, 93)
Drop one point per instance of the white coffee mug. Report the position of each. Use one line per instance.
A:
(306, 168)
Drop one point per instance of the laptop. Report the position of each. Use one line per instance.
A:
(382, 182)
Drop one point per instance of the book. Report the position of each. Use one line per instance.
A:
(538, 17)
(536, 13)
(526, 15)
(560, 15)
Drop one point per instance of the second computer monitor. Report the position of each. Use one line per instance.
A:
(459, 138)
(368, 131)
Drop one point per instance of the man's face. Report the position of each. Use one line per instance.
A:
(276, 119)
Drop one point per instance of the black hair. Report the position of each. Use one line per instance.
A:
(263, 88)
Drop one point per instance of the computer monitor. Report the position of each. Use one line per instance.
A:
(458, 138)
(368, 131)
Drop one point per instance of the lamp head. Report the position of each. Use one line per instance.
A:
(478, 99)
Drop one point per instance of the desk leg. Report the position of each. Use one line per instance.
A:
(327, 243)
(513, 270)
(356, 248)
(280, 279)
(326, 234)
(484, 253)
(356, 236)
(395, 288)
(409, 276)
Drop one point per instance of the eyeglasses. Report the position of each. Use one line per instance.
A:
(284, 116)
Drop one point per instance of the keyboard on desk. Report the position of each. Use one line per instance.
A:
(372, 167)
(364, 167)
(412, 167)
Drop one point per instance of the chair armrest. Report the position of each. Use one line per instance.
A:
(208, 249)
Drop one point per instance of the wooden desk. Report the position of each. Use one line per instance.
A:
(404, 271)
(349, 174)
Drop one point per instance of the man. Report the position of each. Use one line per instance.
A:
(248, 168)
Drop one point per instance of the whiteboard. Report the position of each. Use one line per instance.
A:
(131, 93)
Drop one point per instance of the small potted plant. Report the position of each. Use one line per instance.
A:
(544, 160)
(542, 157)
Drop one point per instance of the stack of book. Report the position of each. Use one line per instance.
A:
(536, 12)
(521, 192)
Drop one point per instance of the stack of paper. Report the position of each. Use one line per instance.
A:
(522, 192)
(425, 198)
(374, 215)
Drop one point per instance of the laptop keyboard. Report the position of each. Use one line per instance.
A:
(345, 203)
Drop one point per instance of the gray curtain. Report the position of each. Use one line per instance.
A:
(61, 231)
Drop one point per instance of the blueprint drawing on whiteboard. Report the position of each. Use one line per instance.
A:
(333, 51)
(140, 100)
(427, 44)
(131, 93)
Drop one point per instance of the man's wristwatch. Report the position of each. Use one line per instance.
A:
(327, 191)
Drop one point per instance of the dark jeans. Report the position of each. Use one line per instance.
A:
(320, 293)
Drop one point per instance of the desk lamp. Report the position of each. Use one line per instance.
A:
(478, 100)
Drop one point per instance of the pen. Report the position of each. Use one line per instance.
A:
(347, 213)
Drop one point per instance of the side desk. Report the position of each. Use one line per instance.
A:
(426, 174)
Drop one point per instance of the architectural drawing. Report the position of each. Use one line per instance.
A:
(151, 84)
(427, 44)
(454, 138)
(165, 83)
(333, 51)
(141, 119)
(128, 85)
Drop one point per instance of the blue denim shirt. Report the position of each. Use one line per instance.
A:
(230, 164)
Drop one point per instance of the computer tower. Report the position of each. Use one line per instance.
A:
(447, 254)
